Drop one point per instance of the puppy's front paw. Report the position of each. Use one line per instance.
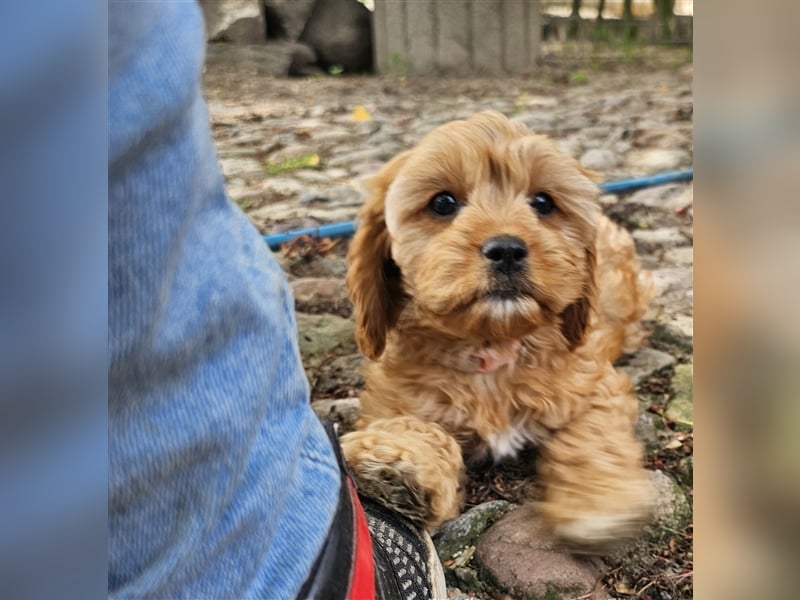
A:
(597, 520)
(410, 466)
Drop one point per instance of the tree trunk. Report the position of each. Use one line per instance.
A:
(601, 6)
(664, 12)
(628, 23)
(574, 20)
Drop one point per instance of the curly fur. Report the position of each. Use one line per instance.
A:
(452, 362)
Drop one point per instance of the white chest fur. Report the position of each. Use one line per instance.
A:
(506, 444)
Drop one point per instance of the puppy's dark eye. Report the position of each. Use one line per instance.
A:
(443, 204)
(543, 203)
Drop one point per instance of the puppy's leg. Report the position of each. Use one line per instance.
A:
(411, 466)
(625, 291)
(596, 492)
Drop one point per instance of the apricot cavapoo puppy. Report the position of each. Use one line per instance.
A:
(491, 297)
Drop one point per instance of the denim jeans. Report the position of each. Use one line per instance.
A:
(222, 482)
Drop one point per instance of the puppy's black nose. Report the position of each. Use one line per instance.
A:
(505, 252)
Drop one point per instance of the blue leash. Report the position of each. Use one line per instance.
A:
(348, 228)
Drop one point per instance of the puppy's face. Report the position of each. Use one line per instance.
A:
(489, 230)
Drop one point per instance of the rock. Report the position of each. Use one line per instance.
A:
(650, 239)
(672, 510)
(655, 160)
(240, 21)
(340, 376)
(662, 137)
(686, 470)
(241, 166)
(340, 195)
(463, 531)
(680, 408)
(310, 177)
(671, 279)
(600, 159)
(669, 197)
(678, 327)
(571, 146)
(327, 266)
(682, 256)
(279, 188)
(360, 155)
(317, 295)
(286, 18)
(674, 330)
(538, 121)
(303, 61)
(645, 428)
(322, 336)
(646, 362)
(522, 559)
(344, 411)
(340, 33)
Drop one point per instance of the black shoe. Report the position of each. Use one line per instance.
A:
(406, 564)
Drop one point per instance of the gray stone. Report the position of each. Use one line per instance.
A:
(310, 177)
(669, 197)
(342, 375)
(673, 510)
(321, 295)
(344, 411)
(665, 237)
(522, 559)
(241, 166)
(686, 470)
(646, 430)
(671, 279)
(681, 256)
(340, 195)
(679, 326)
(655, 160)
(680, 409)
(599, 159)
(286, 18)
(538, 121)
(464, 530)
(234, 21)
(323, 266)
(646, 362)
(276, 188)
(322, 336)
(340, 33)
(353, 157)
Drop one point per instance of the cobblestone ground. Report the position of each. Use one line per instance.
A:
(296, 152)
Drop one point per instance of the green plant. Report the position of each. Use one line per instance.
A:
(579, 78)
(292, 163)
(399, 64)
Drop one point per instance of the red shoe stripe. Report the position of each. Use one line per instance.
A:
(362, 585)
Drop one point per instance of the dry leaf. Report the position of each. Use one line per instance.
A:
(361, 114)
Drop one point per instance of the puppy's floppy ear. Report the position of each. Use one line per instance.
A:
(575, 317)
(373, 278)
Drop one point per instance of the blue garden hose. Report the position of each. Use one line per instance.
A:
(348, 228)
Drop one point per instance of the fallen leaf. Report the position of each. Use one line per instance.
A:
(361, 114)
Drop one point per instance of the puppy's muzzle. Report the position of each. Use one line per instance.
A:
(506, 254)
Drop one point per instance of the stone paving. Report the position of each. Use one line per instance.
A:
(296, 153)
